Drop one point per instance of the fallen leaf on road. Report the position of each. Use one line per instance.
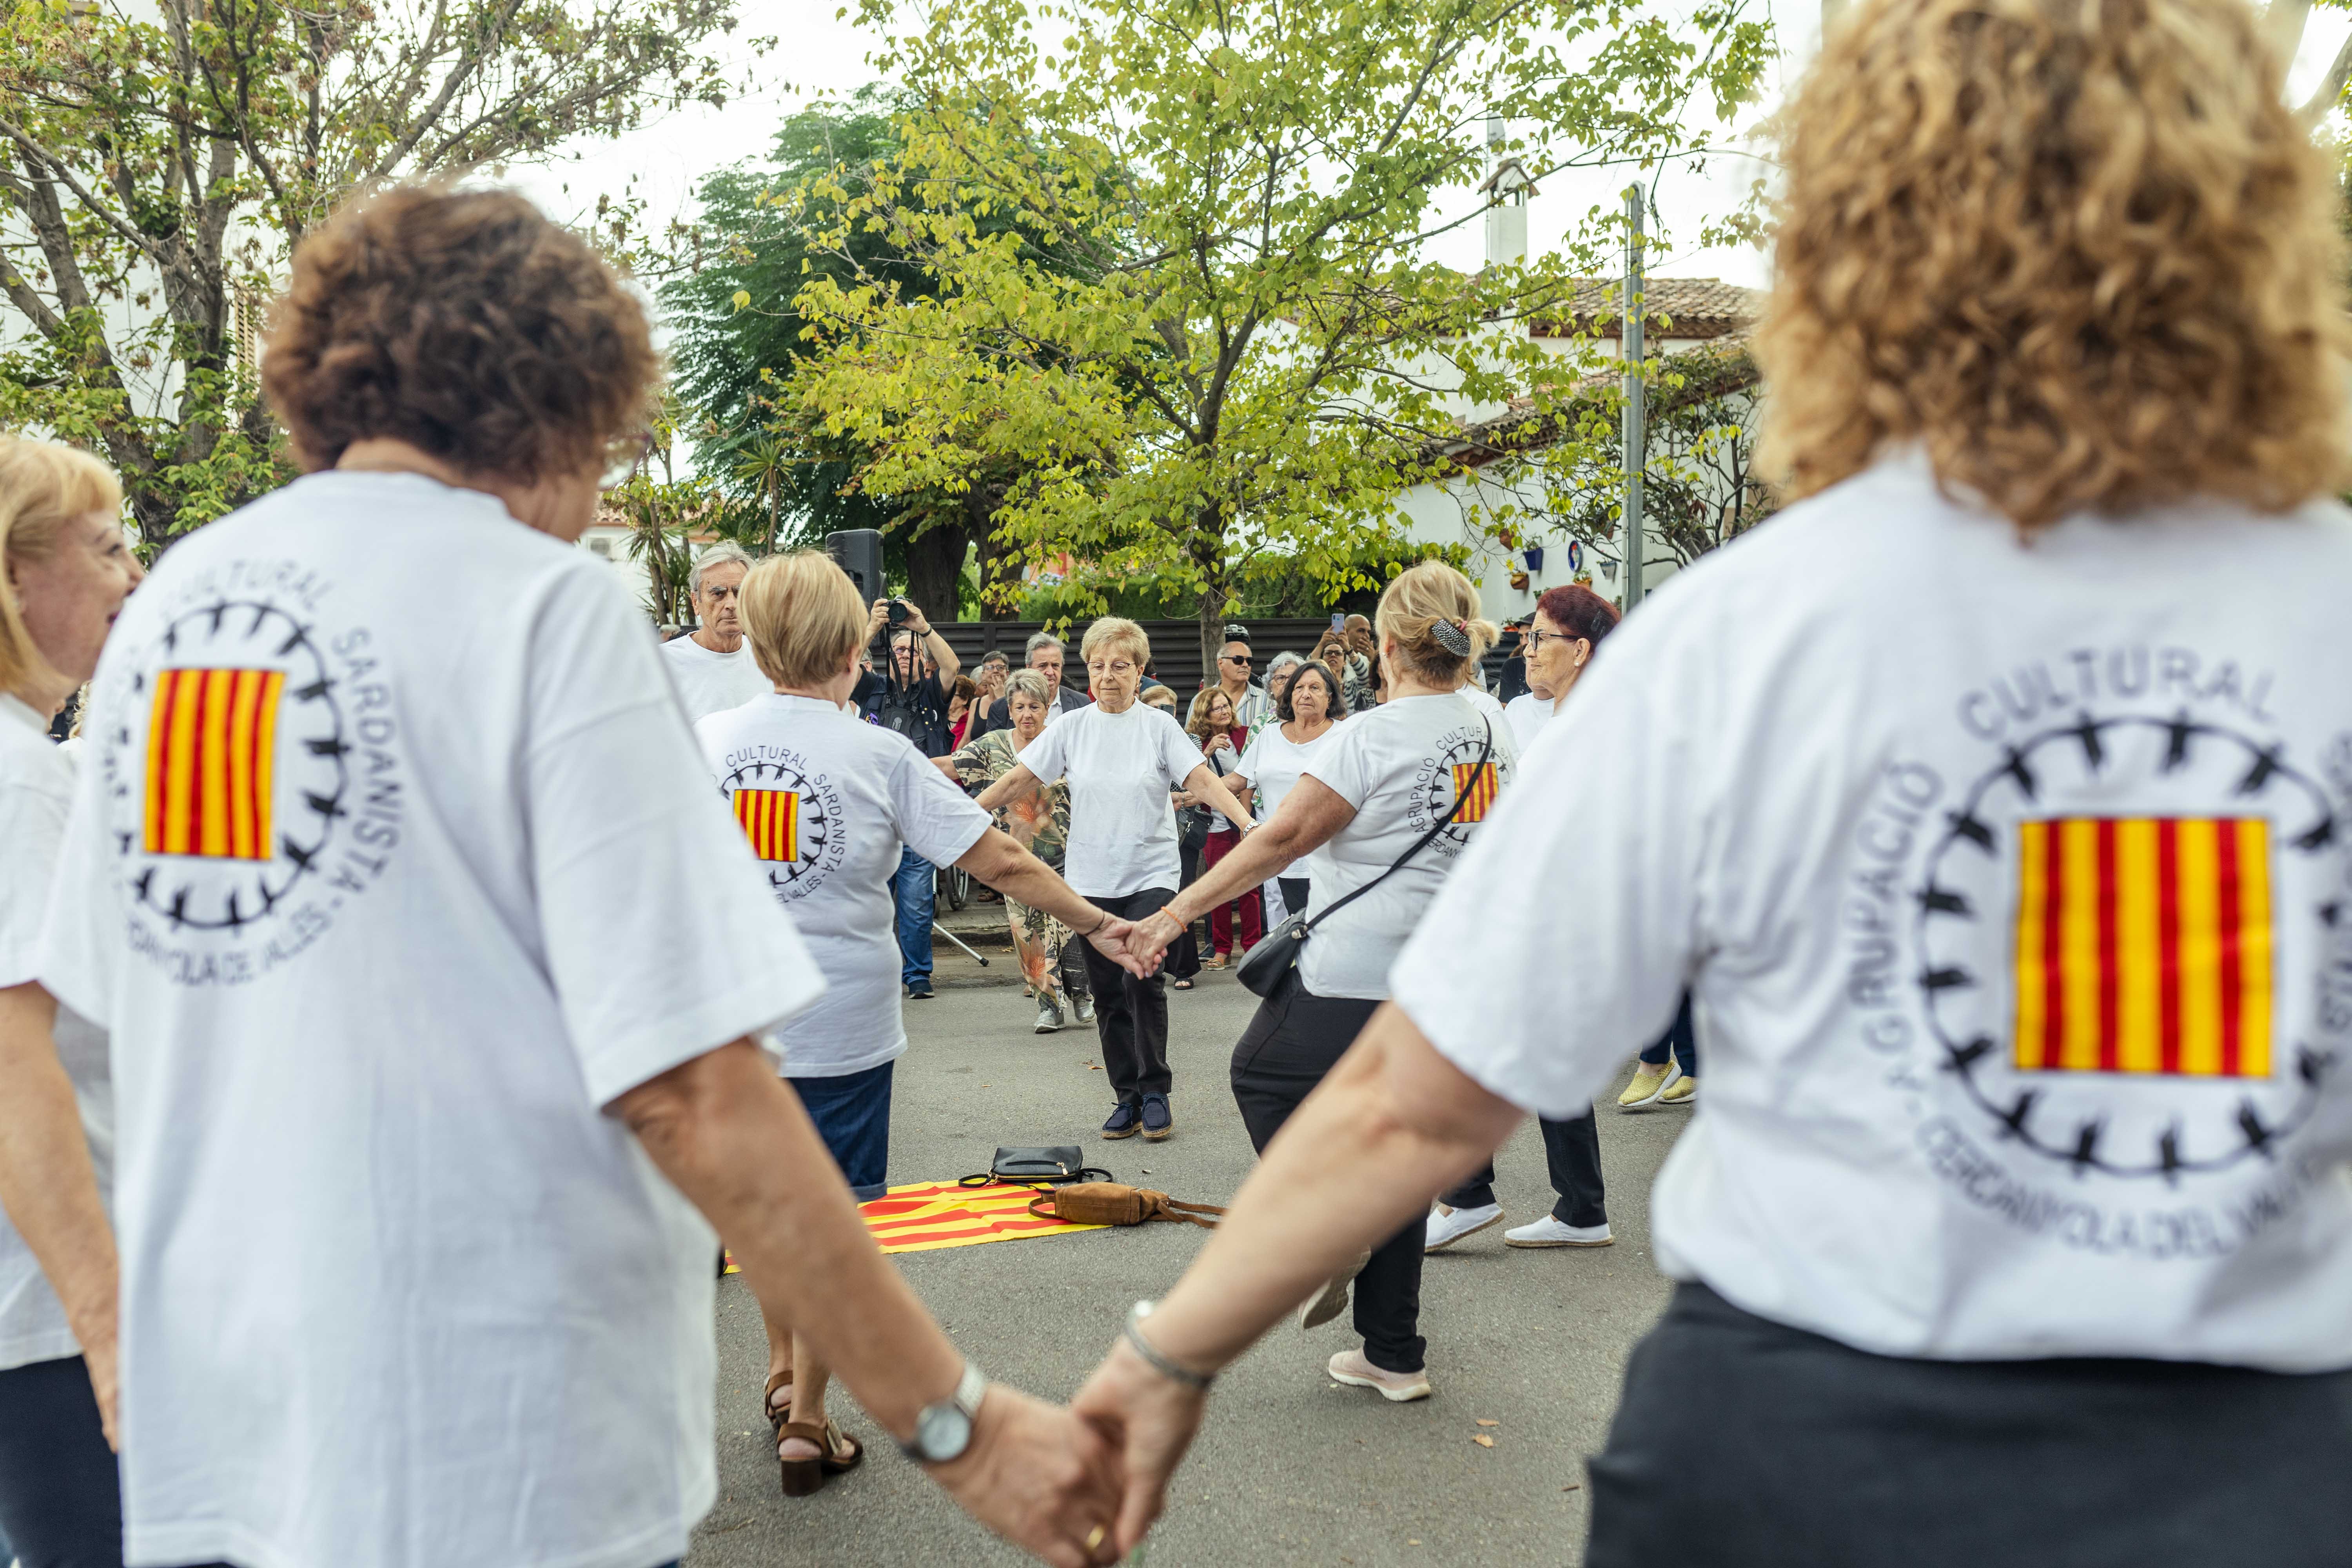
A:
(1483, 1440)
(1484, 1422)
(1572, 1488)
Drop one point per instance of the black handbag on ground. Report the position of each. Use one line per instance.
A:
(1265, 967)
(1062, 1162)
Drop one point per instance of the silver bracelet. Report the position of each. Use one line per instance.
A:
(1133, 1333)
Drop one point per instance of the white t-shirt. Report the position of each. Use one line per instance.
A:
(2009, 875)
(1399, 766)
(35, 791)
(1274, 766)
(711, 682)
(1527, 714)
(1481, 698)
(386, 878)
(1119, 767)
(827, 801)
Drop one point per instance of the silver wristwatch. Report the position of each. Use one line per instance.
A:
(943, 1430)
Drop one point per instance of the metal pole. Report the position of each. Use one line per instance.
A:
(1629, 344)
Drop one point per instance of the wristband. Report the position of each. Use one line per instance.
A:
(1133, 1333)
(1108, 918)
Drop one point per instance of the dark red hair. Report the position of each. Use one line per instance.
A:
(1578, 611)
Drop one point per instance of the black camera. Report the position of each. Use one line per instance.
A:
(901, 613)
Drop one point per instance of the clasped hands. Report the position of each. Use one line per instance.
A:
(1077, 1486)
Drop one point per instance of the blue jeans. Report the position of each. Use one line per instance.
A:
(852, 1114)
(1681, 1038)
(915, 890)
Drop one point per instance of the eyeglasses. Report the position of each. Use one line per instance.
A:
(623, 454)
(1240, 658)
(1536, 639)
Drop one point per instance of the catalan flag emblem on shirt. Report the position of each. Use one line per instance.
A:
(771, 820)
(211, 752)
(2144, 945)
(1474, 786)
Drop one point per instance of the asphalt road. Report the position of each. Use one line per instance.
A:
(1291, 1467)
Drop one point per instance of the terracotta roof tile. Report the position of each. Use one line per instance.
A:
(1692, 306)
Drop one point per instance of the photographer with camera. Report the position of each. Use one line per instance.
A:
(909, 695)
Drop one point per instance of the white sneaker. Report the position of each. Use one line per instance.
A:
(1085, 1009)
(1350, 1368)
(1447, 1226)
(1049, 1018)
(1549, 1231)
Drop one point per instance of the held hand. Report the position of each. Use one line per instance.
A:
(1041, 1478)
(1151, 1419)
(99, 1357)
(1148, 937)
(1112, 940)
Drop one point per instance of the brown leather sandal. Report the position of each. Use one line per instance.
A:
(777, 1412)
(800, 1477)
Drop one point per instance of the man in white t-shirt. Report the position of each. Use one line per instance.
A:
(711, 666)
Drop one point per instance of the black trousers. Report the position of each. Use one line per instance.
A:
(1294, 898)
(1742, 1443)
(1130, 1014)
(60, 1500)
(1291, 1043)
(1572, 1150)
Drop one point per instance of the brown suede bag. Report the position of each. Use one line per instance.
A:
(1115, 1203)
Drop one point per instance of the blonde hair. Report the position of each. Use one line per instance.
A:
(1196, 718)
(1420, 599)
(43, 486)
(803, 616)
(1110, 633)
(2080, 250)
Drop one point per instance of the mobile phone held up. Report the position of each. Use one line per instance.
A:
(1338, 621)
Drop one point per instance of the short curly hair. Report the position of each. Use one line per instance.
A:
(463, 323)
(2080, 251)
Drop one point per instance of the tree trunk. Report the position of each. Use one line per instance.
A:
(997, 565)
(935, 569)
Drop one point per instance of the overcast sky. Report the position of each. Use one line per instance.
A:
(820, 56)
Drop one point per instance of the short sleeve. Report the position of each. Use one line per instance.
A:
(82, 932)
(1252, 756)
(937, 820)
(1178, 754)
(971, 762)
(1343, 766)
(1048, 756)
(32, 830)
(1538, 1021)
(663, 941)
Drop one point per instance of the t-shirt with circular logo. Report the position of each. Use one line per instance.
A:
(1402, 766)
(391, 867)
(2011, 875)
(827, 801)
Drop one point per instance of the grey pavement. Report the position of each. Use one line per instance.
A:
(1290, 1466)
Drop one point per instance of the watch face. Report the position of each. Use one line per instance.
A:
(943, 1432)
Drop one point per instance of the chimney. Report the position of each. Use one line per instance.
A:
(1507, 190)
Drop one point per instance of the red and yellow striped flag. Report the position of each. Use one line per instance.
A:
(771, 820)
(2144, 945)
(211, 758)
(1475, 784)
(924, 1216)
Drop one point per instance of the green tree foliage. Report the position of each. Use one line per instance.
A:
(764, 231)
(158, 162)
(1211, 337)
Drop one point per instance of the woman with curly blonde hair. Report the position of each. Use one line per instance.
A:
(1989, 803)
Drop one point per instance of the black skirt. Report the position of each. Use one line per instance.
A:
(1740, 1443)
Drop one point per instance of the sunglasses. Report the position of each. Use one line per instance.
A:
(1240, 658)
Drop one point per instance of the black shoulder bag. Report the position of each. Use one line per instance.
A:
(1271, 960)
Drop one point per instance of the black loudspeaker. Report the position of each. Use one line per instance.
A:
(858, 552)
